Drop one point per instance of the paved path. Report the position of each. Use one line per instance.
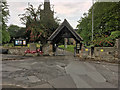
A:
(58, 72)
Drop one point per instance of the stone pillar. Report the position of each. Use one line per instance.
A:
(74, 51)
(118, 46)
(73, 41)
(117, 43)
(50, 48)
(119, 62)
(81, 51)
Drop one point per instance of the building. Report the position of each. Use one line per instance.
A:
(46, 13)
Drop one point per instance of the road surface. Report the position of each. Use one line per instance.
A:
(57, 72)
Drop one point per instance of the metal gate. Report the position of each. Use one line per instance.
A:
(59, 51)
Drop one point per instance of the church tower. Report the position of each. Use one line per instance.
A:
(47, 5)
(47, 13)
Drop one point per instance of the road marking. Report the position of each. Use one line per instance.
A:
(107, 68)
(60, 67)
(34, 63)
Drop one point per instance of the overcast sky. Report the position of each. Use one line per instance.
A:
(72, 10)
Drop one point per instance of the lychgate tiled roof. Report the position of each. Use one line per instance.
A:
(69, 27)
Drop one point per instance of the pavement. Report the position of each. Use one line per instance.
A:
(57, 72)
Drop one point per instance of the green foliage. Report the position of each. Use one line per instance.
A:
(37, 29)
(9, 45)
(106, 22)
(4, 15)
(32, 21)
(103, 41)
(21, 32)
(115, 34)
(84, 28)
(16, 31)
(13, 29)
(5, 36)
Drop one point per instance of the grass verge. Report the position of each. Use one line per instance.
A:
(69, 47)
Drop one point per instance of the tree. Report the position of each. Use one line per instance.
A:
(16, 31)
(13, 29)
(35, 28)
(106, 21)
(84, 28)
(32, 21)
(4, 15)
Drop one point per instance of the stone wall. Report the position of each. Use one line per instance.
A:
(111, 54)
(85, 52)
(17, 50)
(105, 53)
(101, 53)
(46, 49)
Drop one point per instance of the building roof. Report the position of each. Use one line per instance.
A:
(69, 27)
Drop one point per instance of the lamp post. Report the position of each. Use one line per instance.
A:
(92, 19)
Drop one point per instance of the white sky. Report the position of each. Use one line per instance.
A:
(72, 10)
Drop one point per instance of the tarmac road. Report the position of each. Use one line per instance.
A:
(58, 72)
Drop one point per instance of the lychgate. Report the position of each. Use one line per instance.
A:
(65, 31)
